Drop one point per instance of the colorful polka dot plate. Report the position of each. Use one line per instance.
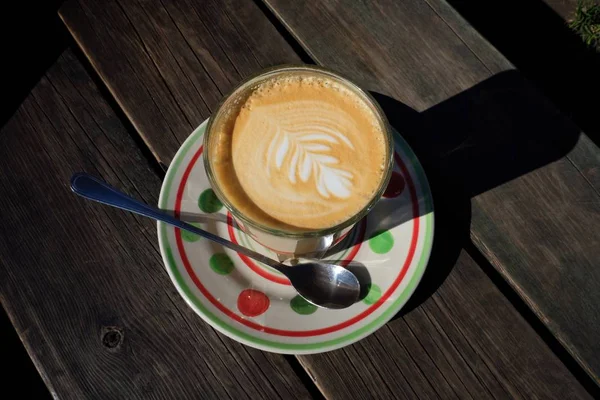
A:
(256, 305)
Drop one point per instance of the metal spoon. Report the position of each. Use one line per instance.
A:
(322, 284)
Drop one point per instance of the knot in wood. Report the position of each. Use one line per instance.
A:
(112, 337)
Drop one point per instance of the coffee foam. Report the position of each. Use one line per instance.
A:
(303, 153)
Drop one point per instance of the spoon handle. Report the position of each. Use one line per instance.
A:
(94, 189)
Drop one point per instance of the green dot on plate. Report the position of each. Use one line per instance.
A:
(189, 236)
(302, 306)
(373, 295)
(382, 242)
(209, 202)
(221, 263)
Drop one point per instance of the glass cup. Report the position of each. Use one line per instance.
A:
(291, 244)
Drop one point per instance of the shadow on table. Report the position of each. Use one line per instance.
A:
(31, 37)
(545, 50)
(475, 141)
(492, 133)
(20, 375)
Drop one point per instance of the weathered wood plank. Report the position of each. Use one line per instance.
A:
(449, 357)
(493, 60)
(168, 65)
(539, 224)
(586, 158)
(412, 34)
(84, 284)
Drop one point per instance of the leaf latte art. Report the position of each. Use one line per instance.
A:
(307, 149)
(305, 154)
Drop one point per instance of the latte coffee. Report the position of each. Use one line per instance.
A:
(300, 152)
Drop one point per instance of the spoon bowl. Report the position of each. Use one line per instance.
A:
(325, 285)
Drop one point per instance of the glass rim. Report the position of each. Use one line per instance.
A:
(266, 73)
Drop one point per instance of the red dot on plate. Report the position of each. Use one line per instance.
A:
(252, 302)
(396, 185)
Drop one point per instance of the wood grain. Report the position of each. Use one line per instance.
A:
(84, 284)
(467, 340)
(536, 210)
(168, 65)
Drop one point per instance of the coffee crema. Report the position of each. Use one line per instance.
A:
(301, 153)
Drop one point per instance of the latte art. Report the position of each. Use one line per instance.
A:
(304, 153)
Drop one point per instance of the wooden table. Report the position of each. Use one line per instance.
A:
(509, 306)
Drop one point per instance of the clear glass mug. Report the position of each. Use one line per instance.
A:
(291, 244)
